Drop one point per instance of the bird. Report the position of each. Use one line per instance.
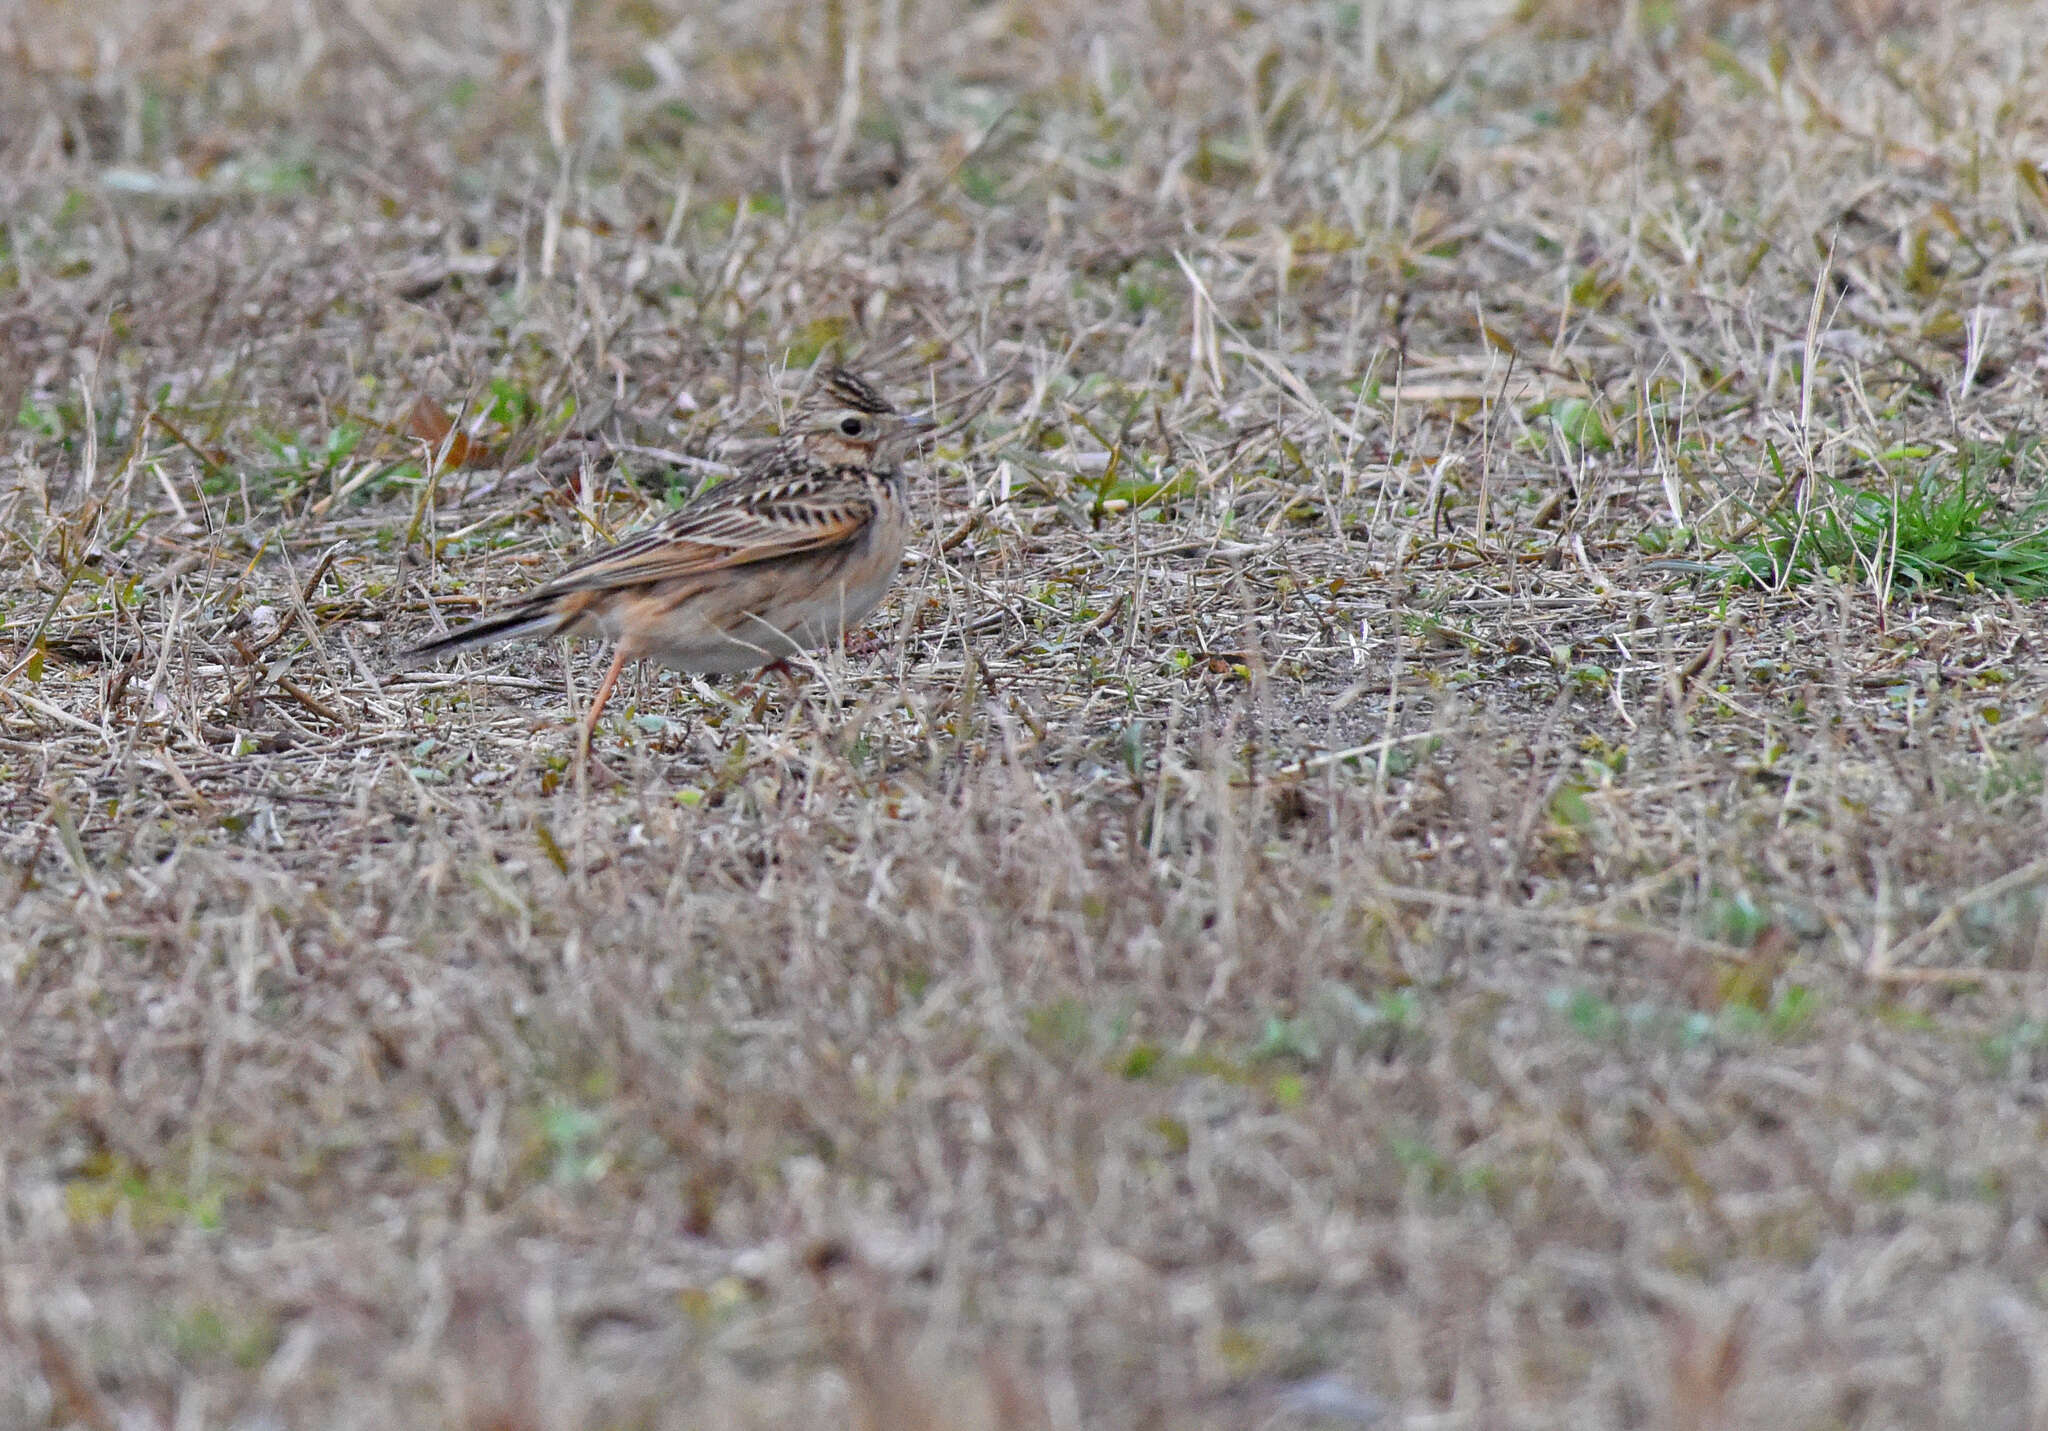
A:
(784, 557)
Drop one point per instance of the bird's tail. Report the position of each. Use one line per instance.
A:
(534, 620)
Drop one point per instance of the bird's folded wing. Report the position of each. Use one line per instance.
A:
(721, 537)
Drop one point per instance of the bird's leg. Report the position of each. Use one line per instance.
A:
(791, 681)
(791, 686)
(620, 657)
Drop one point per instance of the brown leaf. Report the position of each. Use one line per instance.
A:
(428, 421)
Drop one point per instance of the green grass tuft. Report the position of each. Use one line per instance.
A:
(1941, 532)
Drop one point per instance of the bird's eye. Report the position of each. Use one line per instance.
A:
(851, 427)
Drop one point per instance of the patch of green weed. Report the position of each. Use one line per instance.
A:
(1940, 531)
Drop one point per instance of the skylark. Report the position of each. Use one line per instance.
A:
(786, 556)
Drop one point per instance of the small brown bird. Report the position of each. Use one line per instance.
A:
(788, 555)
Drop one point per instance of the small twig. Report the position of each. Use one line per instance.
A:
(310, 702)
(2028, 873)
(213, 465)
(960, 533)
(1953, 975)
(1355, 752)
(45, 709)
(1579, 919)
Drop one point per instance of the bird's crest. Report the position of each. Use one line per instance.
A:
(838, 387)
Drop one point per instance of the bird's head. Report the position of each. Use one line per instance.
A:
(844, 421)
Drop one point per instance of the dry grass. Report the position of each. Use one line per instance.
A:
(1322, 906)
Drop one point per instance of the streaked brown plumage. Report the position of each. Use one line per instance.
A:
(786, 556)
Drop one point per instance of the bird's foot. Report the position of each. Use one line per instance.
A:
(792, 687)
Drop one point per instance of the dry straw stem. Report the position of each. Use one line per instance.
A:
(1315, 902)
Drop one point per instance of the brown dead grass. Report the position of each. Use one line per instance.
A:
(1314, 911)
